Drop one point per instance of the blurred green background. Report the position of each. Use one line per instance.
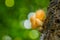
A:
(12, 15)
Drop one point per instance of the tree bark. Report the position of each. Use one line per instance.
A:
(52, 22)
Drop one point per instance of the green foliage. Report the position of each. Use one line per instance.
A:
(11, 16)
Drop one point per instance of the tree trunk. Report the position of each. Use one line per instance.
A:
(52, 22)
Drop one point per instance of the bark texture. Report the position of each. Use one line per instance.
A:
(52, 22)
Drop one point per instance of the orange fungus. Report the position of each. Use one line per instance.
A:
(37, 19)
(40, 14)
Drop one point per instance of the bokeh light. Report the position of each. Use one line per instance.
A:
(27, 24)
(33, 34)
(30, 14)
(9, 3)
(6, 37)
